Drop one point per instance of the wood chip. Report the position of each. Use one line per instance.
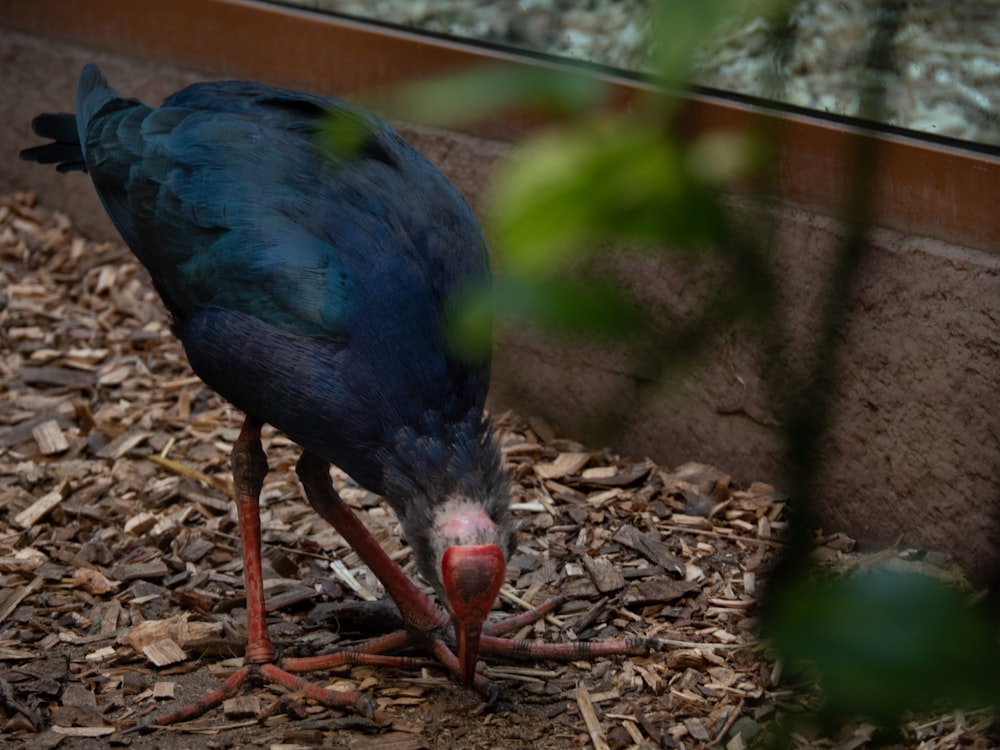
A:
(241, 707)
(101, 654)
(41, 507)
(345, 575)
(564, 465)
(658, 591)
(50, 438)
(140, 523)
(79, 697)
(84, 731)
(18, 595)
(92, 581)
(16, 654)
(614, 476)
(697, 729)
(143, 570)
(649, 546)
(698, 522)
(59, 376)
(586, 707)
(180, 629)
(289, 598)
(604, 574)
(24, 560)
(123, 444)
(107, 615)
(117, 376)
(164, 652)
(163, 690)
(20, 433)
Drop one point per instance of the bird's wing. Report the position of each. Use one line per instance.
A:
(229, 197)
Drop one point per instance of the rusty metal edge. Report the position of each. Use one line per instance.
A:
(921, 188)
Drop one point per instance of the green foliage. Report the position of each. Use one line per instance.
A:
(579, 308)
(345, 131)
(598, 181)
(479, 93)
(884, 643)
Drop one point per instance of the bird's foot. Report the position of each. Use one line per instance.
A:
(493, 643)
(429, 631)
(259, 674)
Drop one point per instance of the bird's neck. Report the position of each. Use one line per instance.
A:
(437, 459)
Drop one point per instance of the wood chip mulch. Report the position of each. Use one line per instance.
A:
(121, 593)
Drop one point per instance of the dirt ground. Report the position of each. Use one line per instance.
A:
(122, 594)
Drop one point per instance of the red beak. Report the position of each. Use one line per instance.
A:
(472, 576)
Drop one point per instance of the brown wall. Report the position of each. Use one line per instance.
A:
(915, 450)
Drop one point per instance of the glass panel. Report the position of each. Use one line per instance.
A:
(940, 67)
(607, 32)
(940, 72)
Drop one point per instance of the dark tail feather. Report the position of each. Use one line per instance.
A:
(65, 151)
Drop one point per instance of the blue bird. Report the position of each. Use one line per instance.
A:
(311, 285)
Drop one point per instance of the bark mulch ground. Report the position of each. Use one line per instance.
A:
(121, 592)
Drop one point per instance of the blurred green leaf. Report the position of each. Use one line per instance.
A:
(571, 190)
(476, 94)
(346, 130)
(568, 305)
(884, 643)
(721, 158)
(561, 305)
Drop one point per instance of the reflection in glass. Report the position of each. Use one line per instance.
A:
(607, 32)
(941, 74)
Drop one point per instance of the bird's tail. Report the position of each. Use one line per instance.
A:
(67, 131)
(64, 151)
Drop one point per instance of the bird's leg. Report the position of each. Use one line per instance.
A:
(415, 607)
(249, 469)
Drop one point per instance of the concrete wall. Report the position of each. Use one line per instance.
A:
(914, 453)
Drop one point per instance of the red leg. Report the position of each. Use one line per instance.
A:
(492, 645)
(249, 469)
(417, 610)
(515, 622)
(425, 622)
(350, 655)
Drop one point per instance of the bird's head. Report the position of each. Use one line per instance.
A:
(448, 489)
(469, 556)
